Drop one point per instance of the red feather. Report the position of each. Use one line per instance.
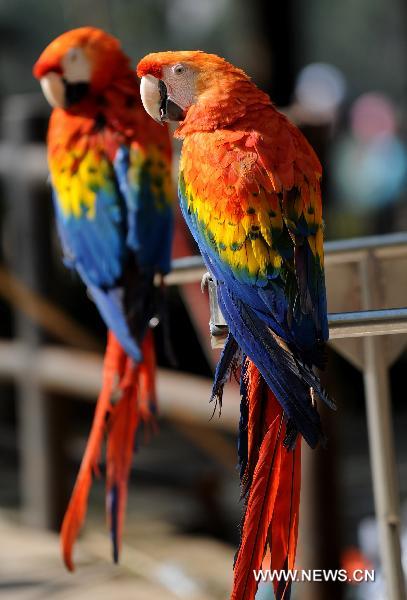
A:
(273, 475)
(137, 403)
(283, 531)
(119, 455)
(119, 421)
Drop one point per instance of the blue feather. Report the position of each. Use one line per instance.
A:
(227, 363)
(253, 313)
(149, 217)
(113, 509)
(242, 441)
(117, 250)
(110, 306)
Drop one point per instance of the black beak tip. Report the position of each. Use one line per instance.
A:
(75, 92)
(174, 112)
(169, 111)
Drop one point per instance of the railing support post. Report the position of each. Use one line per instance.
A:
(381, 443)
(25, 259)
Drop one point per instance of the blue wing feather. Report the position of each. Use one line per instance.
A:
(149, 217)
(118, 248)
(254, 314)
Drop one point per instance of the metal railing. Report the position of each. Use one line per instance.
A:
(366, 255)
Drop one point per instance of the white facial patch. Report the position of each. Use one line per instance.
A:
(76, 66)
(150, 96)
(53, 89)
(180, 81)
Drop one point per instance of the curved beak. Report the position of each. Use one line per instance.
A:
(60, 93)
(53, 89)
(156, 101)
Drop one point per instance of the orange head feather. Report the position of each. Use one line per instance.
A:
(210, 91)
(209, 68)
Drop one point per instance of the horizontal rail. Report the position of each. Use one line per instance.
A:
(188, 269)
(363, 323)
(78, 373)
(371, 242)
(32, 155)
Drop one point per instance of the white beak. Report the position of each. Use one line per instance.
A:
(53, 89)
(150, 96)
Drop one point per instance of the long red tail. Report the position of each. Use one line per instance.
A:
(272, 481)
(137, 403)
(127, 397)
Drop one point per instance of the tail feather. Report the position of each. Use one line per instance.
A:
(226, 365)
(119, 418)
(256, 405)
(271, 484)
(146, 381)
(76, 511)
(137, 404)
(283, 530)
(123, 424)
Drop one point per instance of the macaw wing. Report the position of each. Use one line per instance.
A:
(145, 181)
(295, 175)
(261, 219)
(239, 212)
(103, 212)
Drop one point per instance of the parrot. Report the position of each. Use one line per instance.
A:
(110, 173)
(249, 190)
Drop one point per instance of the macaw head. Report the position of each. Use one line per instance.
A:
(174, 84)
(77, 63)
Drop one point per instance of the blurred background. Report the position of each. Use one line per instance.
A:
(339, 70)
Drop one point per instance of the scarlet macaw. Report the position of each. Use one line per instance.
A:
(110, 170)
(249, 188)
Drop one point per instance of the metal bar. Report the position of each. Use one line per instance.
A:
(372, 242)
(381, 444)
(390, 321)
(188, 269)
(78, 373)
(364, 323)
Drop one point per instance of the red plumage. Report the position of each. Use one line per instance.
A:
(134, 386)
(271, 482)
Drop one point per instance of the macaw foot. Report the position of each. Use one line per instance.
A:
(205, 281)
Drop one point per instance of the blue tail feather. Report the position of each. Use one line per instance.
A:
(227, 362)
(113, 510)
(109, 303)
(288, 378)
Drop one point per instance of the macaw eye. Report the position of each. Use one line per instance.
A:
(179, 69)
(76, 66)
(72, 55)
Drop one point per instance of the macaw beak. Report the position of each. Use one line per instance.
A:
(53, 89)
(59, 93)
(156, 101)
